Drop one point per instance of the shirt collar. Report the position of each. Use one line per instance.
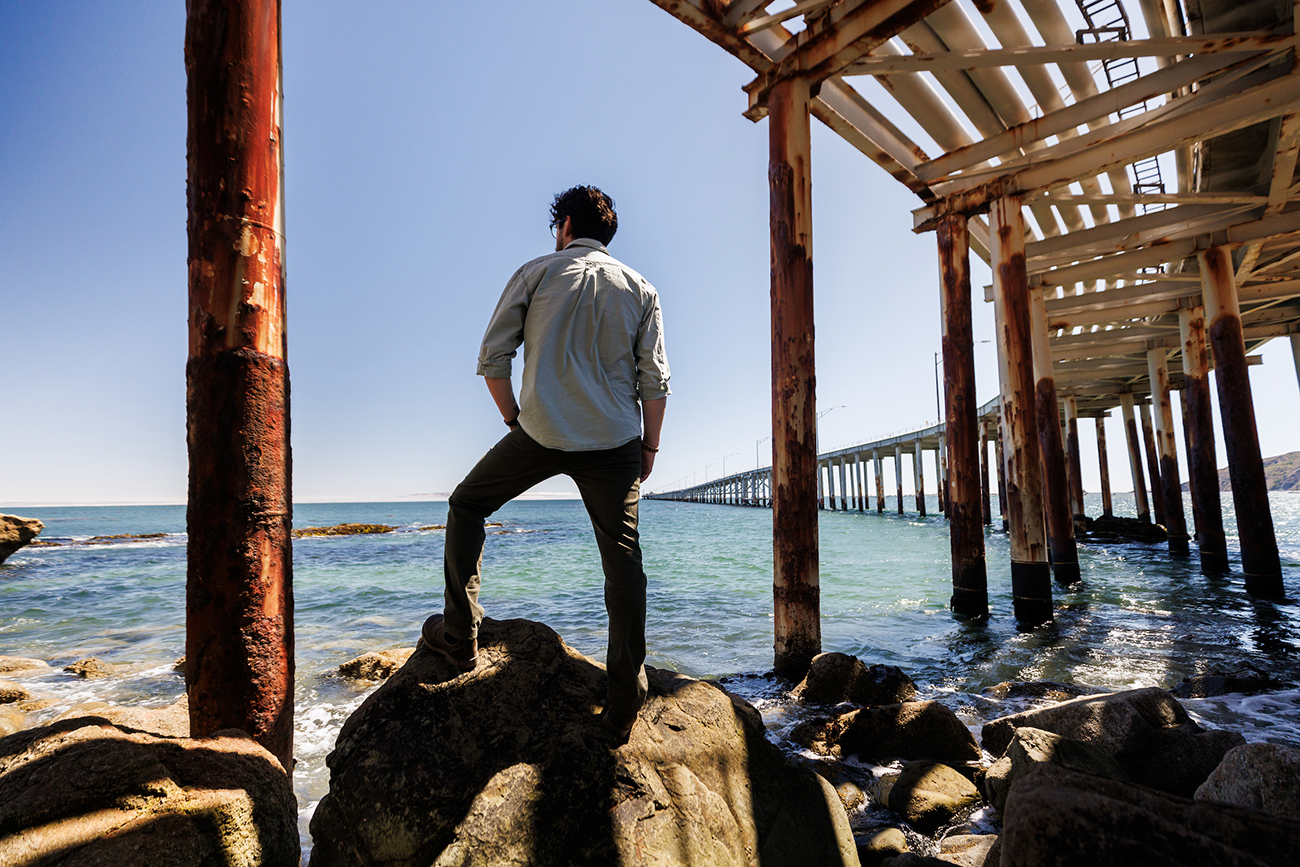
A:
(592, 243)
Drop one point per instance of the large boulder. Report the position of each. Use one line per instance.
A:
(929, 795)
(15, 532)
(1260, 776)
(1032, 746)
(377, 665)
(836, 677)
(506, 765)
(1056, 817)
(1246, 680)
(86, 793)
(172, 721)
(1146, 731)
(908, 730)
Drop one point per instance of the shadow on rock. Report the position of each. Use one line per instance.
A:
(506, 764)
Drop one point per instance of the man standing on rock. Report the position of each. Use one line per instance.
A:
(591, 406)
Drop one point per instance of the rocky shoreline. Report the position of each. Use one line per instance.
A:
(438, 762)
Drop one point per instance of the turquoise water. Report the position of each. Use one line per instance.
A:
(1138, 619)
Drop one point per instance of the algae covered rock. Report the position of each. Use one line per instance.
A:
(90, 794)
(929, 795)
(379, 665)
(506, 764)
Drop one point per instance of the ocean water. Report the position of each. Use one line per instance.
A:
(1139, 618)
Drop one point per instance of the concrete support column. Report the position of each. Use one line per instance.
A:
(941, 466)
(1259, 556)
(961, 425)
(986, 496)
(1202, 463)
(1153, 467)
(239, 644)
(1031, 584)
(1056, 491)
(844, 486)
(918, 471)
(1135, 458)
(1103, 466)
(879, 466)
(1167, 447)
(861, 481)
(1072, 453)
(796, 583)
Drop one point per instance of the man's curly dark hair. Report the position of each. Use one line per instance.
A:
(591, 210)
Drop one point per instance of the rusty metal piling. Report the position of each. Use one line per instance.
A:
(1259, 555)
(878, 469)
(1171, 486)
(1153, 466)
(795, 582)
(898, 475)
(1135, 457)
(1056, 491)
(962, 428)
(919, 473)
(1103, 467)
(1201, 460)
(239, 587)
(1075, 462)
(1031, 584)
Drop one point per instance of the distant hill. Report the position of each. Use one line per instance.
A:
(1281, 472)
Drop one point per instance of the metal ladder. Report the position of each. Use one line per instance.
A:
(1108, 22)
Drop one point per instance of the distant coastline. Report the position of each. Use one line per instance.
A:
(1281, 472)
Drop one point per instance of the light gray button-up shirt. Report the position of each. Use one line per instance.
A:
(593, 346)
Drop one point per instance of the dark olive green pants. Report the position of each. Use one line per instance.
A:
(609, 481)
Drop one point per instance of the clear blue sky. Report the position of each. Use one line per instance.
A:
(423, 143)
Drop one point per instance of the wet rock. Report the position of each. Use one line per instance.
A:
(1124, 529)
(96, 795)
(172, 721)
(90, 668)
(1036, 689)
(929, 795)
(1146, 731)
(343, 530)
(911, 859)
(908, 730)
(12, 720)
(836, 677)
(881, 845)
(1032, 746)
(12, 692)
(1244, 681)
(15, 664)
(380, 665)
(967, 850)
(1260, 776)
(1059, 817)
(506, 764)
(15, 532)
(34, 704)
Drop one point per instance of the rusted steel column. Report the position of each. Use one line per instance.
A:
(962, 429)
(1103, 466)
(1031, 584)
(1001, 464)
(1191, 477)
(1295, 354)
(1259, 557)
(861, 482)
(1153, 467)
(986, 495)
(1056, 491)
(1135, 458)
(795, 581)
(941, 458)
(239, 578)
(880, 481)
(1167, 445)
(898, 475)
(1076, 462)
(918, 472)
(1202, 463)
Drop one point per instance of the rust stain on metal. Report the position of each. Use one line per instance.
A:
(239, 592)
(1060, 521)
(1103, 468)
(1153, 468)
(1198, 419)
(795, 470)
(966, 518)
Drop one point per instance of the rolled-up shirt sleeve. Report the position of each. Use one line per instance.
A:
(651, 358)
(505, 331)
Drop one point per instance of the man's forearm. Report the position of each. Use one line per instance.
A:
(652, 420)
(503, 394)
